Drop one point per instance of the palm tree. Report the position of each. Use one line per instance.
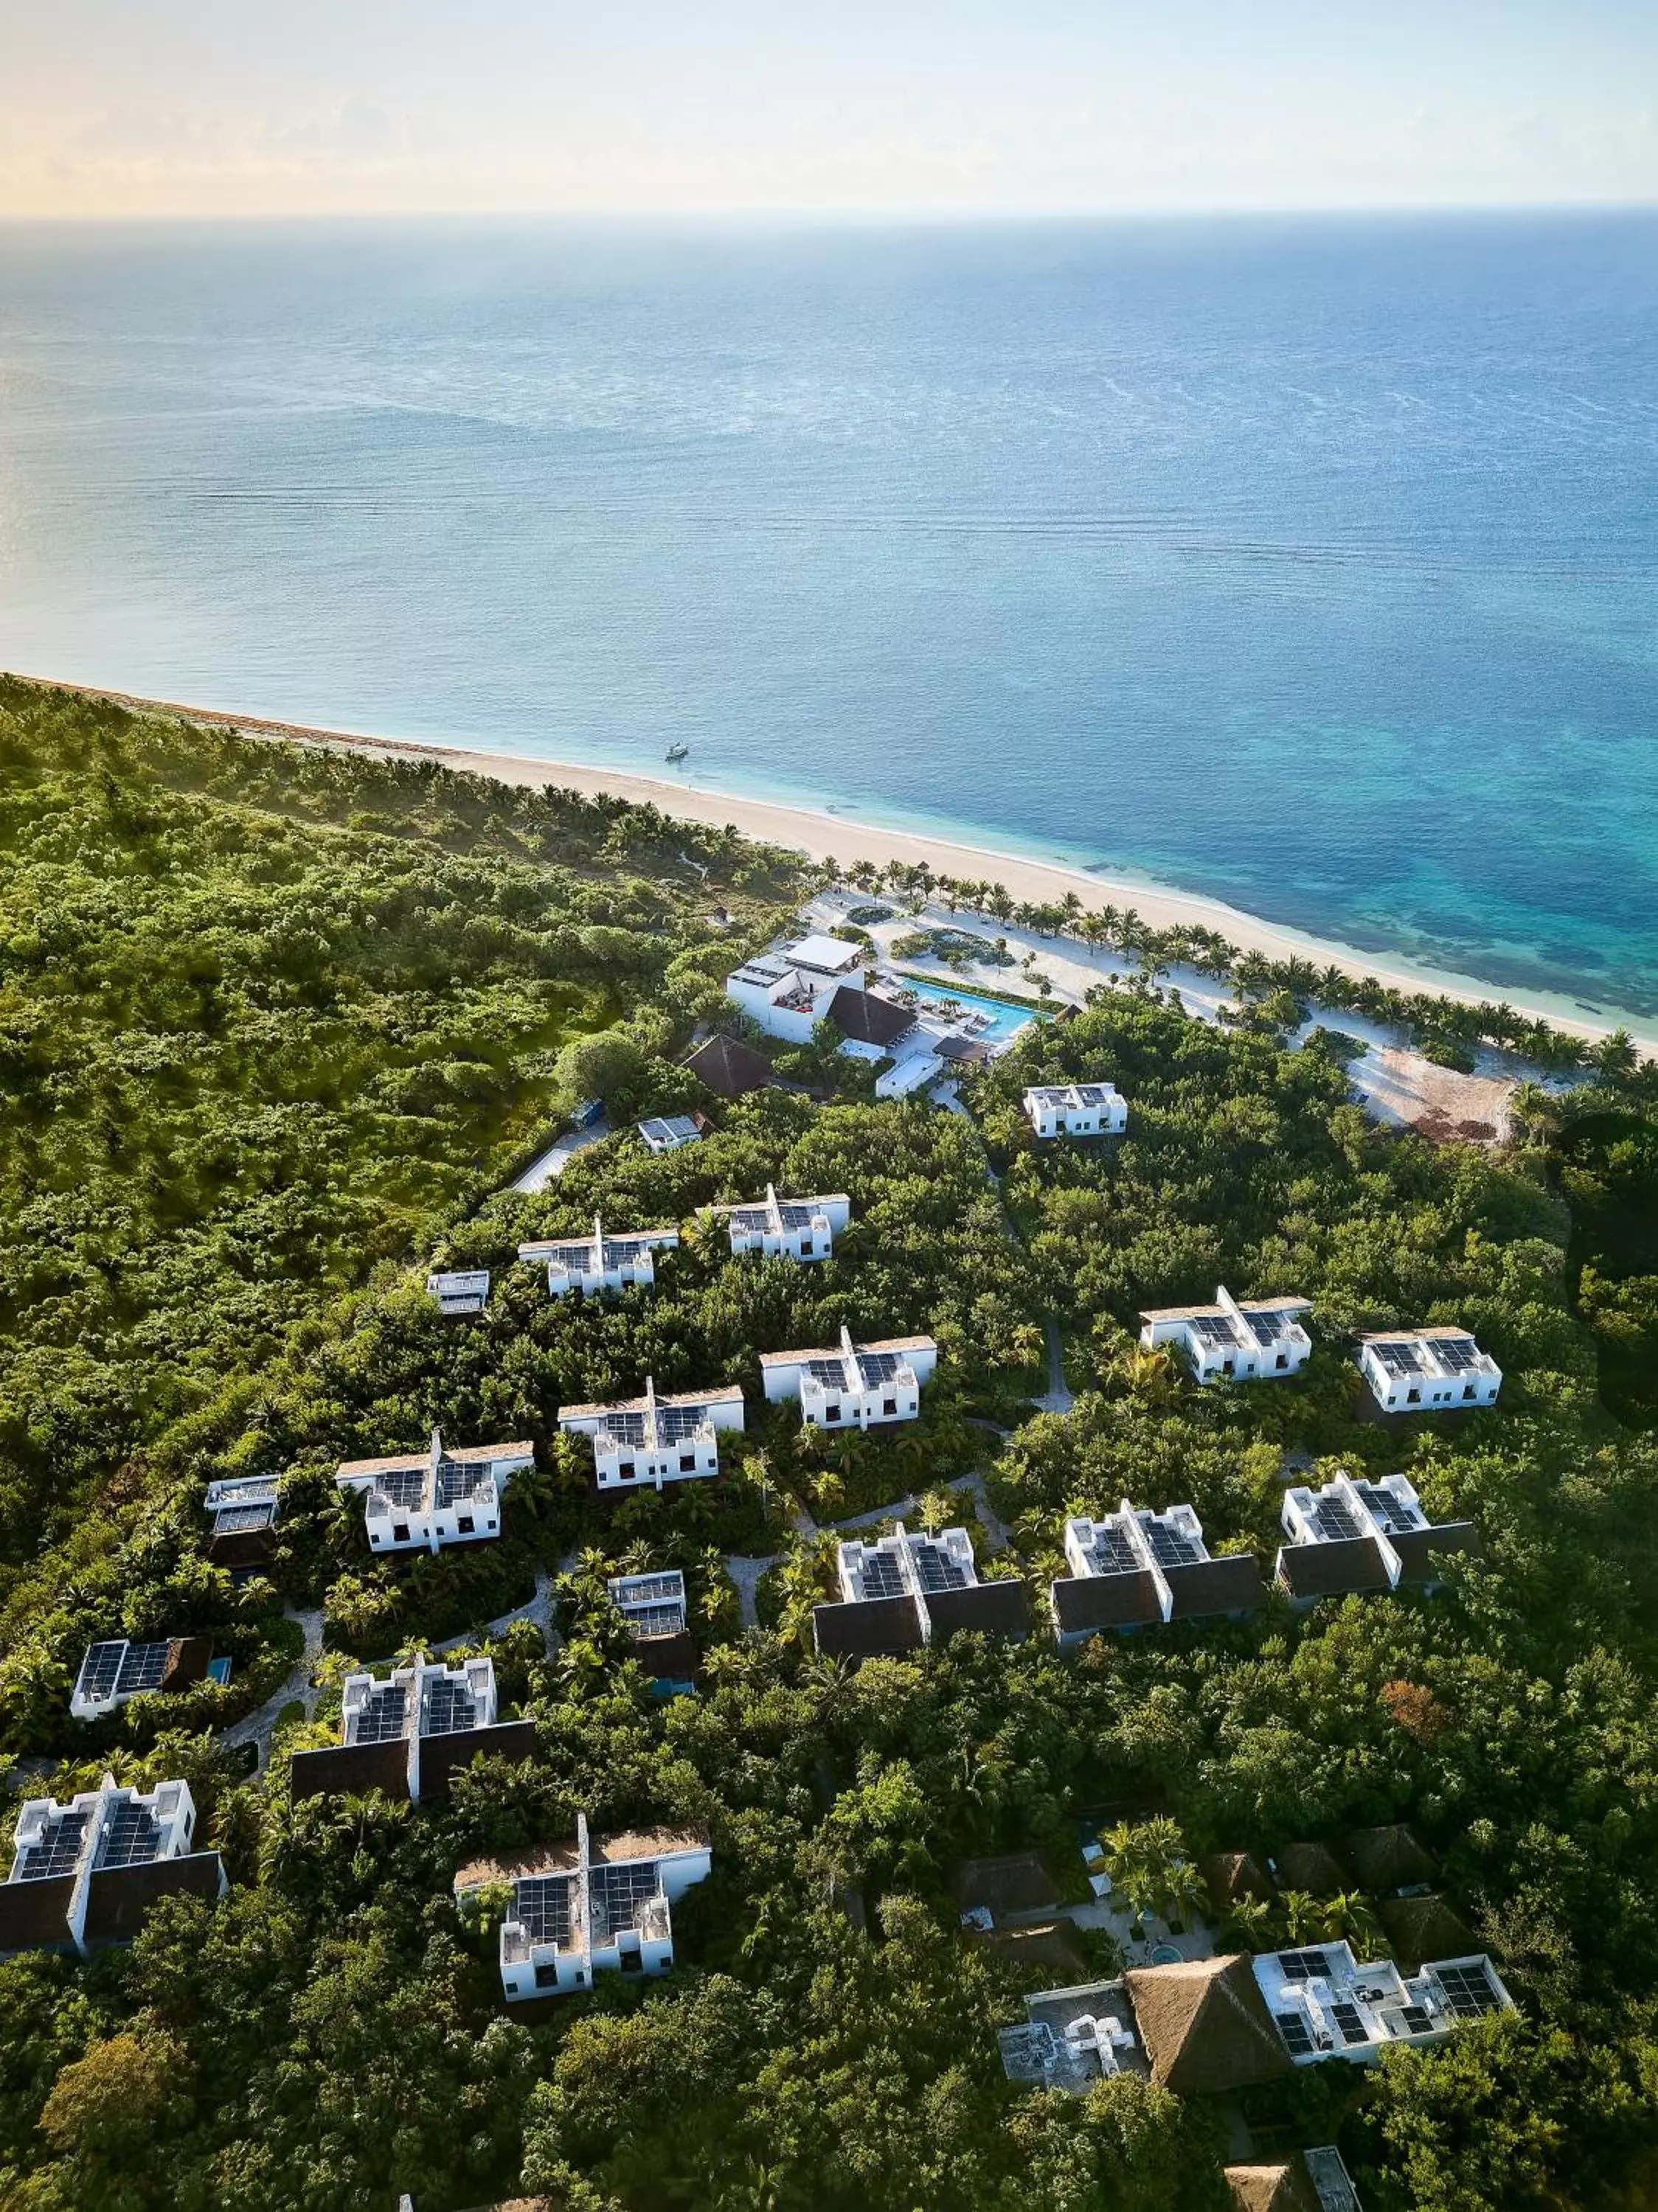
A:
(1301, 1915)
(1347, 1918)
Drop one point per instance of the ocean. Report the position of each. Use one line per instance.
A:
(1310, 564)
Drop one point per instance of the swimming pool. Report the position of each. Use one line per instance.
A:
(1002, 1023)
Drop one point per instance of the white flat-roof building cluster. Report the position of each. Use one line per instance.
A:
(1232, 1339)
(1355, 1535)
(460, 1293)
(669, 1132)
(789, 1228)
(86, 1872)
(1412, 1371)
(788, 992)
(850, 1386)
(1136, 1568)
(1326, 2004)
(603, 1905)
(652, 1605)
(406, 1733)
(648, 1441)
(598, 1262)
(1071, 2038)
(1076, 1109)
(244, 1509)
(424, 1500)
(112, 1672)
(909, 1589)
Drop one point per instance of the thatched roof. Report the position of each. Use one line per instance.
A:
(729, 1067)
(1393, 1858)
(1235, 1874)
(1206, 2025)
(1312, 1866)
(1420, 1928)
(1284, 2185)
(1014, 1881)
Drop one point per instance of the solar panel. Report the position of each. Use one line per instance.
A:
(542, 1908)
(616, 1894)
(459, 1479)
(100, 1670)
(1169, 1547)
(1456, 1353)
(830, 1372)
(629, 1590)
(142, 1669)
(675, 1422)
(404, 1486)
(1215, 1328)
(937, 1570)
(380, 1720)
(1297, 2037)
(570, 1256)
(1398, 1360)
(231, 1520)
(1265, 1328)
(1303, 1965)
(667, 1619)
(1467, 1990)
(881, 1575)
(1093, 1094)
(1348, 2021)
(1416, 2021)
(132, 1838)
(1395, 1517)
(450, 1707)
(242, 1489)
(877, 1367)
(749, 1219)
(57, 1851)
(1334, 1520)
(795, 1216)
(1110, 1551)
(626, 1428)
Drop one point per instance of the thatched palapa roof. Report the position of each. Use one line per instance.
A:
(1393, 1858)
(1206, 2025)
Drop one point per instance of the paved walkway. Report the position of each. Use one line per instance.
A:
(745, 1572)
(1058, 1398)
(553, 1162)
(298, 1689)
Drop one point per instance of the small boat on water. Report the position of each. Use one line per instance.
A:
(676, 752)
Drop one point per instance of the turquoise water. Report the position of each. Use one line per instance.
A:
(1005, 1022)
(1309, 564)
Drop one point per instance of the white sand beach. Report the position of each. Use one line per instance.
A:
(824, 836)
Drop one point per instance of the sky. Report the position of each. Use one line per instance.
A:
(941, 107)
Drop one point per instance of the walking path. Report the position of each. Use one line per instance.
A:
(1058, 1399)
(553, 1162)
(299, 1688)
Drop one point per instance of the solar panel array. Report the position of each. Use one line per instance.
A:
(664, 1619)
(1265, 1328)
(1110, 1551)
(1398, 1360)
(100, 1670)
(1303, 1965)
(1394, 1518)
(1215, 1328)
(1171, 1547)
(1348, 2023)
(450, 1707)
(384, 1715)
(626, 1428)
(622, 1251)
(1334, 1520)
(675, 1422)
(543, 1908)
(937, 1570)
(1297, 2036)
(402, 1486)
(649, 1590)
(616, 1895)
(230, 1520)
(1093, 1094)
(795, 1216)
(132, 1838)
(1456, 1353)
(458, 1480)
(57, 1851)
(883, 1577)
(1416, 2020)
(1467, 1990)
(878, 1367)
(749, 1219)
(832, 1373)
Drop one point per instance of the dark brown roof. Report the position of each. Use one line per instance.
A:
(1330, 1569)
(668, 1658)
(867, 1630)
(1231, 1583)
(968, 1050)
(1387, 1858)
(729, 1067)
(1283, 2185)
(1312, 1866)
(187, 1661)
(993, 1608)
(1206, 2025)
(35, 1913)
(351, 1770)
(868, 1018)
(1049, 1944)
(242, 1547)
(1419, 1928)
(1009, 1881)
(1235, 1874)
(1085, 1602)
(441, 1757)
(119, 1898)
(1417, 1548)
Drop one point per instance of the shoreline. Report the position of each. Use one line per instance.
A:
(823, 836)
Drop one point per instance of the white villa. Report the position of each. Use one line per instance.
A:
(244, 1508)
(114, 1671)
(1136, 1568)
(434, 1497)
(1076, 1109)
(1262, 1337)
(604, 1906)
(407, 1732)
(1357, 1535)
(466, 1292)
(1072, 2037)
(788, 992)
(653, 1440)
(853, 1386)
(87, 1872)
(792, 1228)
(652, 1605)
(1414, 1369)
(1324, 2004)
(595, 1263)
(905, 1589)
